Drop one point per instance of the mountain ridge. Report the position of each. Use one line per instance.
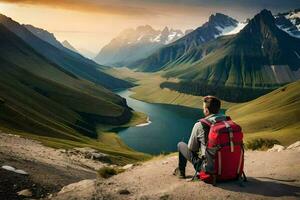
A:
(69, 60)
(134, 44)
(217, 25)
(260, 57)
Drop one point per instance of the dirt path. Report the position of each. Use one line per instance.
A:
(271, 175)
(48, 169)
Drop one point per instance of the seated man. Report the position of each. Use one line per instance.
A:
(198, 138)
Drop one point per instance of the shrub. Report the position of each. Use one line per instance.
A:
(107, 172)
(261, 144)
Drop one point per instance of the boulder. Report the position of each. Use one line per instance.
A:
(276, 148)
(90, 153)
(295, 146)
(83, 185)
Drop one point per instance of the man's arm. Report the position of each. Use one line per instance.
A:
(197, 139)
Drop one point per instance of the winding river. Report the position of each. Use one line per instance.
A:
(169, 125)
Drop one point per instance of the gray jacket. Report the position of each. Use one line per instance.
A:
(197, 138)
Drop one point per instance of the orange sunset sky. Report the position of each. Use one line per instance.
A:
(90, 24)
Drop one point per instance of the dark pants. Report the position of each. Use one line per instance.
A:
(187, 155)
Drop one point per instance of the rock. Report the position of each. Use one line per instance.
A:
(164, 197)
(81, 185)
(90, 153)
(124, 192)
(19, 171)
(276, 148)
(25, 193)
(129, 166)
(294, 146)
(99, 156)
(9, 168)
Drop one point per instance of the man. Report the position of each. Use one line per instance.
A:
(198, 139)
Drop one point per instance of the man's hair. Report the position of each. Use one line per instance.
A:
(212, 103)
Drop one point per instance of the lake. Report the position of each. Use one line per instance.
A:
(169, 125)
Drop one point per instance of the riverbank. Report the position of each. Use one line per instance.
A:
(107, 141)
(148, 89)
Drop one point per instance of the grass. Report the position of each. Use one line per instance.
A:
(274, 116)
(107, 172)
(136, 119)
(42, 101)
(148, 89)
(108, 143)
(261, 144)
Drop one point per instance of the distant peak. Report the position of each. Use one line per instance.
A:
(145, 28)
(65, 42)
(165, 30)
(265, 17)
(219, 18)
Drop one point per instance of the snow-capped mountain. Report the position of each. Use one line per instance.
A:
(289, 22)
(134, 44)
(217, 25)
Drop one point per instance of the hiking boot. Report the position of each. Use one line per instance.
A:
(179, 173)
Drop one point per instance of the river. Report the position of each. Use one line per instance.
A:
(169, 125)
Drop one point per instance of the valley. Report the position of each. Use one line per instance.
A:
(106, 126)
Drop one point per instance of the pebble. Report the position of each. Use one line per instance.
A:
(129, 166)
(25, 193)
(124, 192)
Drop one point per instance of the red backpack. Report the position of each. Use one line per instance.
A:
(224, 155)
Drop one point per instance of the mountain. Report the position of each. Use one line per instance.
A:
(240, 67)
(217, 25)
(289, 22)
(40, 97)
(67, 59)
(43, 35)
(66, 44)
(87, 53)
(279, 111)
(134, 44)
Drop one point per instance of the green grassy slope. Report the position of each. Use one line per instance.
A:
(258, 59)
(275, 115)
(41, 100)
(241, 60)
(67, 59)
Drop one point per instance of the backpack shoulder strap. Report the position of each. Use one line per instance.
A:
(206, 122)
(206, 127)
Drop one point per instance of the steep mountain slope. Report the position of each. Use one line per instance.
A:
(40, 97)
(217, 25)
(134, 44)
(274, 115)
(289, 22)
(260, 57)
(67, 59)
(66, 44)
(44, 35)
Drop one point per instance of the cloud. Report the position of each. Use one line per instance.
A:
(116, 7)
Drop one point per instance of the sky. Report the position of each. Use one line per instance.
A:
(90, 24)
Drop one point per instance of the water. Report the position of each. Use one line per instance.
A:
(169, 125)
